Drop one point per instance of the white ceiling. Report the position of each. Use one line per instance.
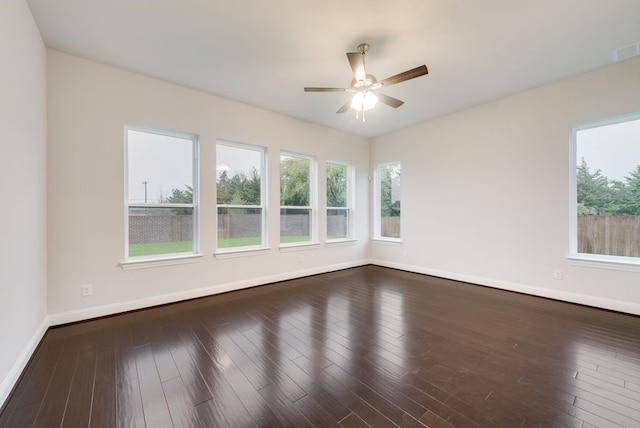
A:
(264, 52)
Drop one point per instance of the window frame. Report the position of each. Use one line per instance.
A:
(195, 205)
(350, 175)
(313, 198)
(590, 259)
(377, 201)
(263, 199)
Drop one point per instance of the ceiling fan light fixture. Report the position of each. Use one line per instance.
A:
(363, 101)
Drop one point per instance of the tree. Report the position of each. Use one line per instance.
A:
(597, 195)
(390, 203)
(631, 204)
(225, 192)
(181, 197)
(239, 189)
(592, 189)
(336, 185)
(294, 182)
(250, 189)
(618, 196)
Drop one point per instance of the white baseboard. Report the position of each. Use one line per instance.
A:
(18, 367)
(582, 299)
(130, 305)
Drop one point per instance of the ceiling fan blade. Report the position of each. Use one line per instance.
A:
(345, 107)
(356, 61)
(390, 101)
(409, 74)
(306, 89)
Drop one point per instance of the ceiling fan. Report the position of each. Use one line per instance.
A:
(363, 84)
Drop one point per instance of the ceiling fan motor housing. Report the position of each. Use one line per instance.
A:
(369, 80)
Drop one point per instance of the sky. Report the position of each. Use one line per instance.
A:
(163, 162)
(236, 160)
(613, 149)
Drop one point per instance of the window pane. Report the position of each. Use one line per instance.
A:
(608, 189)
(337, 224)
(295, 181)
(295, 225)
(160, 170)
(390, 200)
(239, 172)
(154, 231)
(158, 165)
(239, 179)
(336, 185)
(239, 227)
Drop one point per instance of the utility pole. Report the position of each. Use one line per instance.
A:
(145, 190)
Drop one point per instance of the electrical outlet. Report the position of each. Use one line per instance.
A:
(87, 290)
(557, 273)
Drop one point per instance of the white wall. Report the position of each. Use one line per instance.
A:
(485, 191)
(88, 105)
(22, 190)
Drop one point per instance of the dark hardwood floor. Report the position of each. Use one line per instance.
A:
(362, 347)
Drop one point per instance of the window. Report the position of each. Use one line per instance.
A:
(297, 198)
(339, 178)
(387, 201)
(162, 189)
(240, 178)
(605, 209)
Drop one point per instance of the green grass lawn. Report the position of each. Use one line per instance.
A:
(238, 242)
(244, 242)
(294, 238)
(336, 237)
(155, 248)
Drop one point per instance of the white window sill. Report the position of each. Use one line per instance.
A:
(242, 252)
(144, 263)
(299, 246)
(628, 264)
(387, 241)
(340, 242)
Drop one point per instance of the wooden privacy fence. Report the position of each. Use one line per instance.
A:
(390, 227)
(609, 235)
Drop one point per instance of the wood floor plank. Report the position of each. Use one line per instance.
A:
(103, 413)
(391, 403)
(55, 400)
(129, 409)
(162, 354)
(241, 402)
(320, 394)
(79, 403)
(187, 365)
(27, 398)
(257, 353)
(353, 421)
(184, 413)
(314, 413)
(358, 405)
(212, 364)
(154, 403)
